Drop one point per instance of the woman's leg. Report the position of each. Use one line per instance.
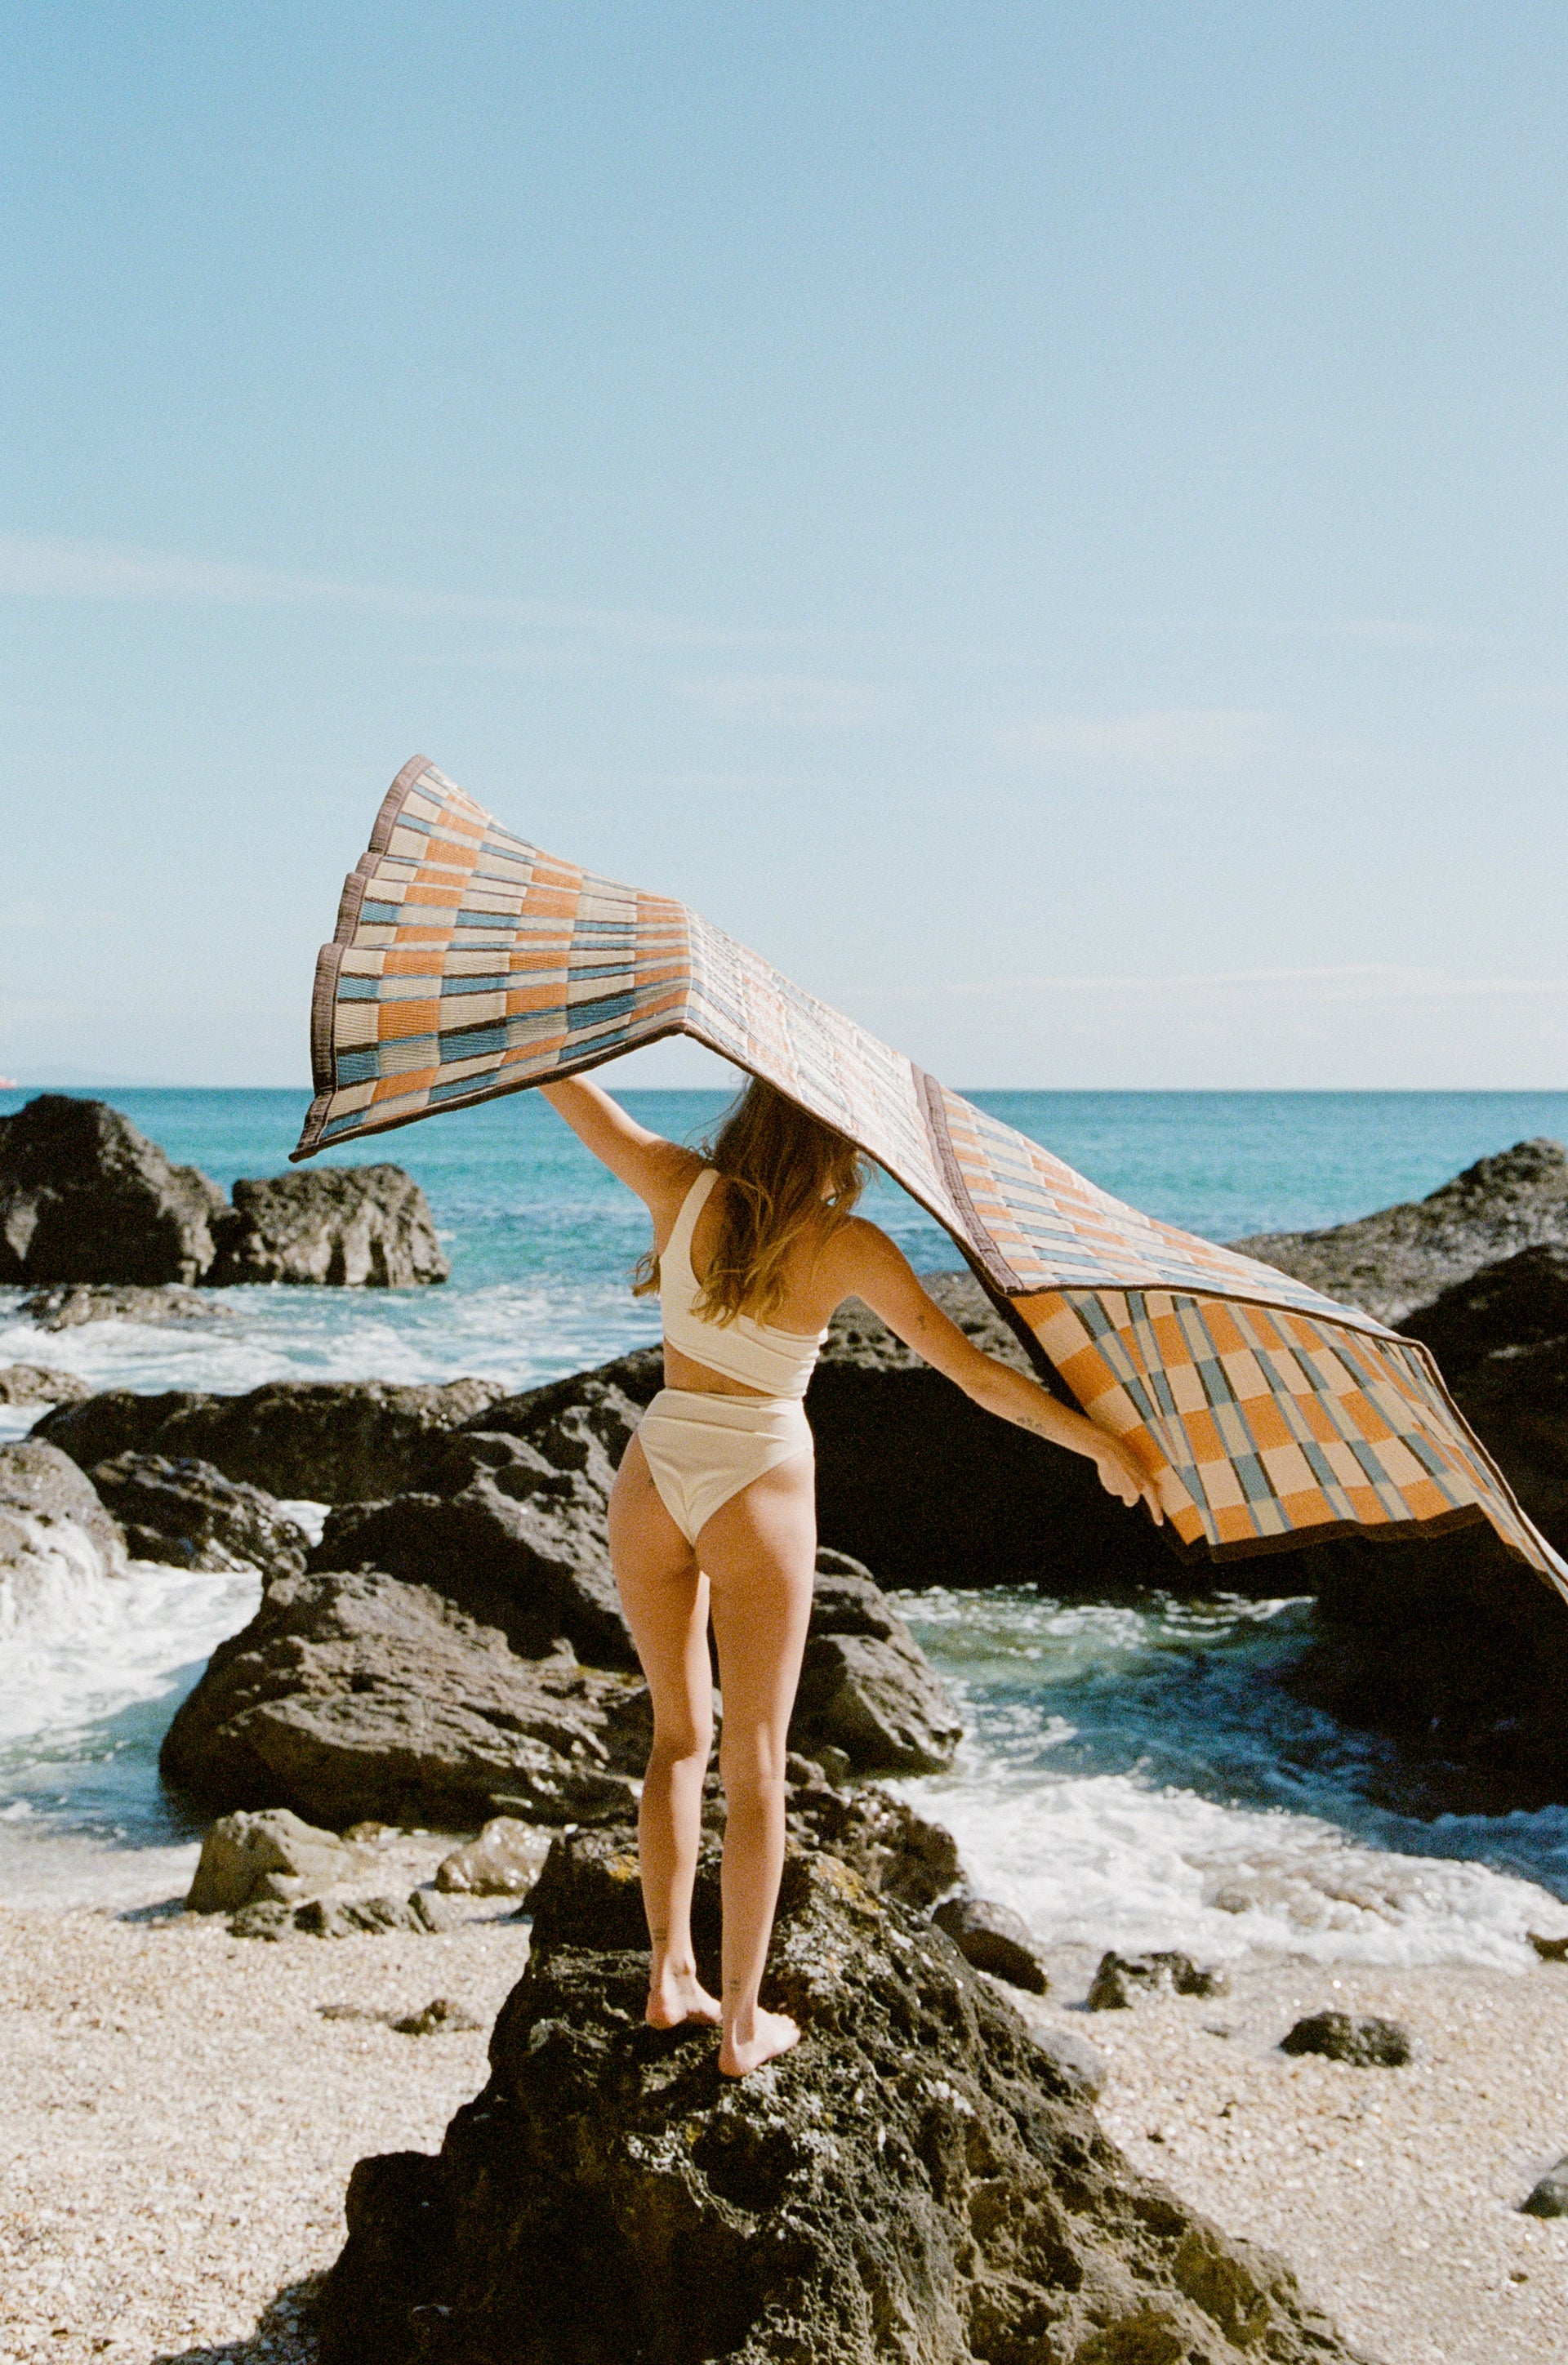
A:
(759, 1550)
(665, 1596)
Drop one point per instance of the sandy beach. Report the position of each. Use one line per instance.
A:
(181, 2114)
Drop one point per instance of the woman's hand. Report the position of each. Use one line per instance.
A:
(1124, 1475)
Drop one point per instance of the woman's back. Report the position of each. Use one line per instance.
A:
(774, 1358)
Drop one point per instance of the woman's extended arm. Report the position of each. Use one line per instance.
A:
(645, 1162)
(873, 1268)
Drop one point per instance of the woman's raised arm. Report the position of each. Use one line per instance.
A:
(873, 1268)
(644, 1161)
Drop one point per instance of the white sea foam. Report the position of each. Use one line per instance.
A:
(517, 1332)
(78, 1644)
(1106, 1861)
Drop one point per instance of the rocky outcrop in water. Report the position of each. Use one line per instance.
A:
(352, 1695)
(51, 1521)
(189, 1516)
(917, 2178)
(309, 1440)
(35, 1384)
(341, 1227)
(1501, 1338)
(1448, 1644)
(85, 1196)
(521, 1547)
(68, 1304)
(1404, 1256)
(866, 1688)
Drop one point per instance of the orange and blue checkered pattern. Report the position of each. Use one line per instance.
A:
(468, 963)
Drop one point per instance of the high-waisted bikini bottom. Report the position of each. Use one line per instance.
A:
(701, 1450)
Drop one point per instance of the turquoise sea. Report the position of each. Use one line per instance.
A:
(1134, 1772)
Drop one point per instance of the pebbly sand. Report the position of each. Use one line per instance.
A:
(180, 2121)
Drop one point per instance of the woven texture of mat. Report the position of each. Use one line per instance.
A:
(467, 963)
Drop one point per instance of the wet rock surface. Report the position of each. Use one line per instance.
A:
(1404, 1256)
(85, 1196)
(916, 2179)
(1122, 1979)
(355, 1695)
(49, 1509)
(35, 1384)
(189, 1516)
(1365, 2041)
(337, 1226)
(315, 1440)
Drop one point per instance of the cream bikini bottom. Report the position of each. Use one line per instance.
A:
(701, 1450)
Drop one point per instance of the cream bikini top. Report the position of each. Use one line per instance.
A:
(780, 1363)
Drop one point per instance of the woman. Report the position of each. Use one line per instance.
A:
(714, 1511)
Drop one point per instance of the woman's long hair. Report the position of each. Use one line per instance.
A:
(784, 1169)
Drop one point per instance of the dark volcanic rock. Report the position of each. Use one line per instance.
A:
(1455, 1651)
(315, 1440)
(351, 1696)
(189, 1515)
(68, 1304)
(1550, 2197)
(535, 1563)
(346, 1227)
(915, 2179)
(866, 1687)
(1502, 1309)
(1403, 1256)
(440, 2017)
(1448, 1644)
(994, 1939)
(1366, 2043)
(48, 1507)
(1501, 1338)
(34, 1383)
(84, 1196)
(887, 1845)
(1121, 1979)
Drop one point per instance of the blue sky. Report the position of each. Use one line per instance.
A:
(1046, 520)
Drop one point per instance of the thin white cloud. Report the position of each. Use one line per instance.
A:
(1352, 982)
(1162, 739)
(41, 567)
(785, 702)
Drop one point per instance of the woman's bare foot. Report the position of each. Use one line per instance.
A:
(771, 2033)
(677, 1996)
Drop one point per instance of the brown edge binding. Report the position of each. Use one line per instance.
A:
(330, 960)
